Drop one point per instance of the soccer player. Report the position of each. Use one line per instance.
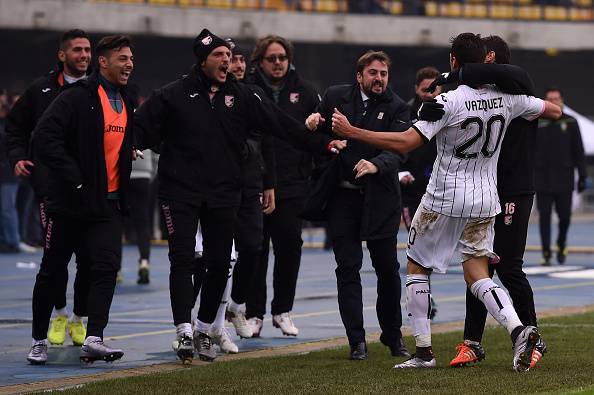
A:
(85, 140)
(74, 58)
(458, 209)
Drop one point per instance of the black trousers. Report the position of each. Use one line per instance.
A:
(248, 243)
(98, 246)
(283, 227)
(511, 228)
(344, 222)
(218, 226)
(139, 213)
(544, 203)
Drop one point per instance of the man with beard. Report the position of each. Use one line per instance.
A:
(85, 140)
(74, 58)
(364, 203)
(275, 74)
(202, 122)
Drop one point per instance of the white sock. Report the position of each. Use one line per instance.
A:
(74, 318)
(418, 304)
(183, 329)
(202, 326)
(219, 321)
(34, 342)
(62, 312)
(497, 302)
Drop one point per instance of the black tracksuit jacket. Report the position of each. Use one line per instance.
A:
(21, 122)
(381, 211)
(203, 143)
(298, 99)
(68, 139)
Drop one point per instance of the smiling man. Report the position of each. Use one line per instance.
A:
(74, 58)
(364, 204)
(85, 140)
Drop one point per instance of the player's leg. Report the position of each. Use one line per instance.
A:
(476, 249)
(218, 227)
(82, 283)
(286, 243)
(181, 220)
(199, 270)
(431, 243)
(218, 333)
(544, 203)
(563, 207)
(256, 296)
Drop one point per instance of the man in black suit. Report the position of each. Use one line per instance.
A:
(363, 203)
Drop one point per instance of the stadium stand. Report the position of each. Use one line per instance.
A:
(548, 10)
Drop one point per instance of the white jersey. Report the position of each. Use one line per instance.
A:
(463, 182)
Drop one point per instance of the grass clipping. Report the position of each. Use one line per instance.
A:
(567, 367)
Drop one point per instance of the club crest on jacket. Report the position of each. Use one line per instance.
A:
(229, 100)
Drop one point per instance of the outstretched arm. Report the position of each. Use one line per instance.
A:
(400, 142)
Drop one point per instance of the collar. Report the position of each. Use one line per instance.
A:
(108, 86)
(364, 97)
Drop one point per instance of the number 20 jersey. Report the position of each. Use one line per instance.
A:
(463, 182)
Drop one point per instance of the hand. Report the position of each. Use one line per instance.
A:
(430, 111)
(314, 120)
(268, 201)
(20, 169)
(335, 146)
(341, 125)
(581, 185)
(137, 154)
(444, 78)
(407, 180)
(364, 167)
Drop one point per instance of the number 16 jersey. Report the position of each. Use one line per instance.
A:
(463, 182)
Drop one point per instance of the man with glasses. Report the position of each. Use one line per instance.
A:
(274, 72)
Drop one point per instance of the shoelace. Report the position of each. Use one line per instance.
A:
(38, 348)
(204, 342)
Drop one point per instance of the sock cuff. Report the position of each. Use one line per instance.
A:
(482, 283)
(416, 279)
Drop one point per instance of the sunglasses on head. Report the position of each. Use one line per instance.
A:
(274, 58)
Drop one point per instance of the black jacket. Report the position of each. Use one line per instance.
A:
(203, 143)
(68, 139)
(515, 168)
(559, 152)
(298, 99)
(22, 120)
(381, 211)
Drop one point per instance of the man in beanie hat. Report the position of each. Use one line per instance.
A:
(202, 122)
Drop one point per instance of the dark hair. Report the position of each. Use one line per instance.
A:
(500, 47)
(468, 48)
(263, 44)
(111, 43)
(71, 35)
(369, 57)
(426, 73)
(553, 89)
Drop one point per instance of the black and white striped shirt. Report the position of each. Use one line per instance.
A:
(463, 182)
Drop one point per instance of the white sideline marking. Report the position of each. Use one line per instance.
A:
(582, 274)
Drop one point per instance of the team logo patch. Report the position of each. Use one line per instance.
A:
(294, 97)
(207, 40)
(507, 220)
(229, 100)
(380, 115)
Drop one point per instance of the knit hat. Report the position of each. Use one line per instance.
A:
(235, 48)
(205, 43)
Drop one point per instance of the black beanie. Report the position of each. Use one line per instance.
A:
(235, 48)
(204, 44)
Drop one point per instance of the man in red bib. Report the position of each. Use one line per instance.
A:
(85, 139)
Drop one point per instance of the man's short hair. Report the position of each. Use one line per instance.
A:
(69, 35)
(263, 44)
(369, 57)
(500, 47)
(112, 43)
(426, 73)
(468, 48)
(553, 89)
